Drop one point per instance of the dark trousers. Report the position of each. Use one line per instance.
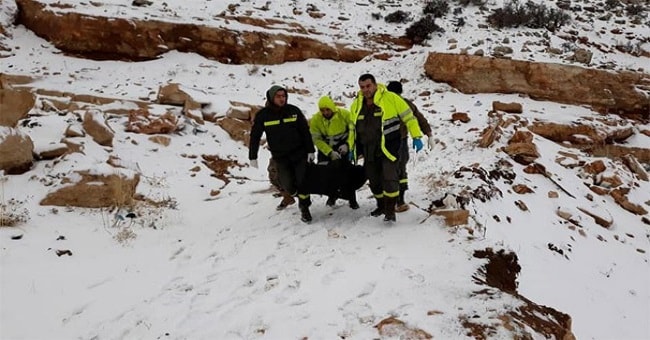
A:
(292, 175)
(383, 175)
(403, 159)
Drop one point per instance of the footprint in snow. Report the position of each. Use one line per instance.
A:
(368, 289)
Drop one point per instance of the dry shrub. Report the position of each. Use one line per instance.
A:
(12, 213)
(420, 30)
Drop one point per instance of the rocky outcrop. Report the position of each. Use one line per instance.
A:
(133, 39)
(14, 106)
(581, 134)
(96, 126)
(615, 92)
(141, 121)
(453, 217)
(16, 151)
(95, 190)
(500, 273)
(238, 130)
(521, 148)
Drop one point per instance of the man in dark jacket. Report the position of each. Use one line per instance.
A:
(396, 87)
(289, 141)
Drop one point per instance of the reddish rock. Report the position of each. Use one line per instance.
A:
(612, 181)
(95, 190)
(141, 121)
(54, 151)
(634, 166)
(453, 217)
(16, 151)
(242, 111)
(599, 190)
(14, 106)
(521, 137)
(620, 197)
(507, 107)
(618, 151)
(392, 327)
(522, 189)
(604, 90)
(134, 39)
(460, 116)
(238, 130)
(553, 194)
(522, 153)
(595, 167)
(95, 124)
(162, 140)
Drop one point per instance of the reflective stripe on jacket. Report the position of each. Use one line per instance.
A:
(287, 133)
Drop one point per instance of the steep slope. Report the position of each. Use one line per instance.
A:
(552, 241)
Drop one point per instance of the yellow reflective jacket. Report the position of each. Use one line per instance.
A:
(330, 133)
(394, 109)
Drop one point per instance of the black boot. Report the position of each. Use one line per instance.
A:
(305, 215)
(389, 209)
(353, 202)
(331, 201)
(380, 208)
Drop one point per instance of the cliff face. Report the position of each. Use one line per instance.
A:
(132, 39)
(605, 91)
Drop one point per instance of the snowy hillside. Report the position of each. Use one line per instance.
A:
(202, 252)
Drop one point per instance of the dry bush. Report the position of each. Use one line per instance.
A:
(420, 30)
(530, 14)
(437, 8)
(13, 213)
(398, 17)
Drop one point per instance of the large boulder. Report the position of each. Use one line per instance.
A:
(14, 106)
(95, 189)
(238, 130)
(16, 151)
(616, 92)
(96, 126)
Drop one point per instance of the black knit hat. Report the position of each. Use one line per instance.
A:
(273, 90)
(395, 87)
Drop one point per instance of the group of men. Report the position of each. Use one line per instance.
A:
(375, 129)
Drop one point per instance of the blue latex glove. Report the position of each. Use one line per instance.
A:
(417, 144)
(350, 156)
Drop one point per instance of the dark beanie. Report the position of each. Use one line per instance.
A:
(273, 90)
(395, 87)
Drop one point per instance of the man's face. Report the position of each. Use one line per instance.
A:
(368, 88)
(280, 98)
(327, 113)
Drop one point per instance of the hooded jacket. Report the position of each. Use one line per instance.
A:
(286, 129)
(394, 110)
(328, 134)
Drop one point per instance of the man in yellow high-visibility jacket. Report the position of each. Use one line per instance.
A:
(332, 132)
(376, 115)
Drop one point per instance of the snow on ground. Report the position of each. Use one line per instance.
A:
(232, 267)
